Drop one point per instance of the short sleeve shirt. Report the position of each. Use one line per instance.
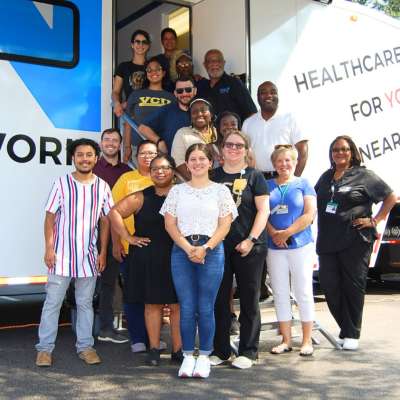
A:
(354, 195)
(291, 196)
(197, 210)
(264, 135)
(166, 121)
(244, 200)
(228, 94)
(78, 208)
(128, 183)
(133, 76)
(143, 102)
(108, 172)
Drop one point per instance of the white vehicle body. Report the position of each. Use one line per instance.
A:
(336, 67)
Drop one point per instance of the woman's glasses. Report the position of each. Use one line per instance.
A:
(163, 168)
(141, 42)
(156, 69)
(147, 154)
(237, 146)
(187, 89)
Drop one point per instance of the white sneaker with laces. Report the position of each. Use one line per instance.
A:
(203, 367)
(339, 341)
(350, 344)
(215, 360)
(187, 366)
(242, 362)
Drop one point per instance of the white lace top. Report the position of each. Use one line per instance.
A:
(197, 210)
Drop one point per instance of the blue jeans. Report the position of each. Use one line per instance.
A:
(197, 286)
(55, 292)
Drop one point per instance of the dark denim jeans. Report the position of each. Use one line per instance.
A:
(197, 287)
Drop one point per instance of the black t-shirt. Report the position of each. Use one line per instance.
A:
(353, 195)
(228, 94)
(256, 186)
(133, 76)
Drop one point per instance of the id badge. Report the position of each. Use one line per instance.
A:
(282, 209)
(239, 185)
(331, 207)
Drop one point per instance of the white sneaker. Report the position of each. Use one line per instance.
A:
(215, 360)
(339, 341)
(162, 346)
(138, 348)
(242, 362)
(350, 344)
(187, 366)
(203, 367)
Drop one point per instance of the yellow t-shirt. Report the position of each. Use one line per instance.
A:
(129, 182)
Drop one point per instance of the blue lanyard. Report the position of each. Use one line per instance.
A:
(283, 192)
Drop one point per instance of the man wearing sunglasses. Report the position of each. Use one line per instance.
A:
(161, 125)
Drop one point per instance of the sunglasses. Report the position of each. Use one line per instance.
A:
(237, 146)
(184, 64)
(340, 149)
(141, 42)
(283, 146)
(187, 89)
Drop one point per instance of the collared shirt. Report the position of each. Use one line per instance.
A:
(228, 94)
(128, 183)
(78, 208)
(166, 121)
(108, 172)
(353, 196)
(264, 135)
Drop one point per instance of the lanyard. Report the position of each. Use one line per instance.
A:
(283, 190)
(332, 191)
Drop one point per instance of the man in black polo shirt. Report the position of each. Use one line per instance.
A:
(226, 93)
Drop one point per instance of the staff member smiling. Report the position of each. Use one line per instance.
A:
(346, 233)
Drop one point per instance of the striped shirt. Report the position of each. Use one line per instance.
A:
(78, 208)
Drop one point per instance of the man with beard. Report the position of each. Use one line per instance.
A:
(226, 93)
(109, 168)
(162, 124)
(76, 208)
(268, 128)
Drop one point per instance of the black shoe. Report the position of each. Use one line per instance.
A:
(264, 293)
(153, 357)
(177, 356)
(235, 326)
(110, 335)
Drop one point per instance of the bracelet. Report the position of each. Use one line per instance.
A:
(373, 221)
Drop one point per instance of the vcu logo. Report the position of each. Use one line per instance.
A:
(147, 101)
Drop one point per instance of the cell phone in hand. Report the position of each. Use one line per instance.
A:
(289, 241)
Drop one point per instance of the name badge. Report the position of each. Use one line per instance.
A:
(282, 209)
(331, 207)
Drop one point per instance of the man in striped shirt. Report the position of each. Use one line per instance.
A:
(77, 206)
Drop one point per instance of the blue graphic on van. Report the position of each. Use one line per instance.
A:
(71, 98)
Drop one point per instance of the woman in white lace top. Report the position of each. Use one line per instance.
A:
(198, 215)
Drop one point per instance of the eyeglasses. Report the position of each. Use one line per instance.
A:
(184, 64)
(163, 168)
(147, 154)
(340, 149)
(187, 89)
(141, 42)
(237, 146)
(283, 146)
(150, 70)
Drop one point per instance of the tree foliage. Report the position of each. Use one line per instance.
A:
(389, 7)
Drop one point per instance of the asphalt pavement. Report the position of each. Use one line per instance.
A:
(372, 372)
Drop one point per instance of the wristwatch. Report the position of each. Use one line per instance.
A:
(252, 238)
(206, 247)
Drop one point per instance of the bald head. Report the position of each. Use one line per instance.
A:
(267, 96)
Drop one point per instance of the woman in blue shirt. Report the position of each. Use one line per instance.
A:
(290, 249)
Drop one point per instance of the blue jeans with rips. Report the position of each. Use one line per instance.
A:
(197, 286)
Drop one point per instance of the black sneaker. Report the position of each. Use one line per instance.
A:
(153, 357)
(235, 326)
(110, 335)
(264, 293)
(177, 356)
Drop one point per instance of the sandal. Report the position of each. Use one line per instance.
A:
(280, 349)
(306, 351)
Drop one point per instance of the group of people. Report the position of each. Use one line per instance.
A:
(241, 205)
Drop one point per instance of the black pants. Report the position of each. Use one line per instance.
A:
(248, 272)
(108, 280)
(343, 278)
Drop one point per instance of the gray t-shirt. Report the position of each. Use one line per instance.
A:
(143, 102)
